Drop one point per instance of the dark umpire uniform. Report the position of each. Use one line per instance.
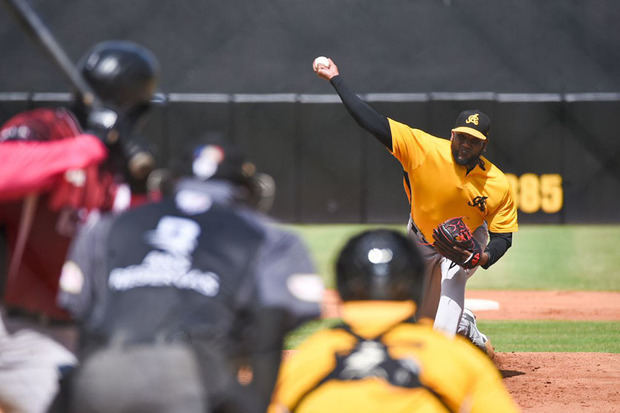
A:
(175, 296)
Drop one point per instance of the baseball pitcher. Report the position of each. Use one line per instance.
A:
(462, 211)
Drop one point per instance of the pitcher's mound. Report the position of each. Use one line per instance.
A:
(562, 382)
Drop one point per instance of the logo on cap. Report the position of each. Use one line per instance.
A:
(473, 119)
(474, 123)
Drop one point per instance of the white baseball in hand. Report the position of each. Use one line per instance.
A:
(320, 61)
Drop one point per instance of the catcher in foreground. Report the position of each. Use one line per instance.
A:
(378, 359)
(444, 179)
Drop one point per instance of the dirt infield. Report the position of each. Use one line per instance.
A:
(551, 382)
(562, 382)
(557, 382)
(549, 305)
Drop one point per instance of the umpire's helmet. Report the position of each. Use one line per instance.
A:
(219, 160)
(122, 74)
(380, 265)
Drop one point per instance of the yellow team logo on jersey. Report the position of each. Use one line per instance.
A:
(479, 201)
(473, 119)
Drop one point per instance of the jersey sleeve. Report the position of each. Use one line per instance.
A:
(408, 145)
(504, 218)
(480, 388)
(286, 278)
(35, 166)
(488, 393)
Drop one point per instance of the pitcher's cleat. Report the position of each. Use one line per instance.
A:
(469, 329)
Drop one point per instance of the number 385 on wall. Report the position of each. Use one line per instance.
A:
(534, 192)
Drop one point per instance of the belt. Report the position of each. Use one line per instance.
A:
(36, 318)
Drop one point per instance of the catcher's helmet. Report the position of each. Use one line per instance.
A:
(380, 265)
(122, 74)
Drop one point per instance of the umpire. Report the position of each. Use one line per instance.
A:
(379, 359)
(175, 297)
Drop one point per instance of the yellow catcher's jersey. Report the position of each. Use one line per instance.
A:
(452, 374)
(442, 189)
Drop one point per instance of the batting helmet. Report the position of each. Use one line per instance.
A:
(122, 74)
(380, 265)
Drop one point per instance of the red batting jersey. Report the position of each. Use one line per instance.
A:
(47, 159)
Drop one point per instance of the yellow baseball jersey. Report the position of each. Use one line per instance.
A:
(442, 189)
(425, 371)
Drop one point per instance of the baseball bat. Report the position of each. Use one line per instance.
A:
(33, 25)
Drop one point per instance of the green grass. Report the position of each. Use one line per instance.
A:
(521, 336)
(571, 257)
(543, 257)
(554, 336)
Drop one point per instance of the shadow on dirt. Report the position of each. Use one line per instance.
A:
(510, 373)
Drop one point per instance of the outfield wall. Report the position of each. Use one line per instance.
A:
(267, 46)
(538, 57)
(561, 151)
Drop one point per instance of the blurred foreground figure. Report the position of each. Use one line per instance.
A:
(176, 297)
(379, 359)
(58, 166)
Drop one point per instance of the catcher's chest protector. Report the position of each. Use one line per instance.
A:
(370, 358)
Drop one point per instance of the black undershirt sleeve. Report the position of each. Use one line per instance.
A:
(363, 113)
(498, 245)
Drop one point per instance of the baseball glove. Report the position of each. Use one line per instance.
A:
(454, 240)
